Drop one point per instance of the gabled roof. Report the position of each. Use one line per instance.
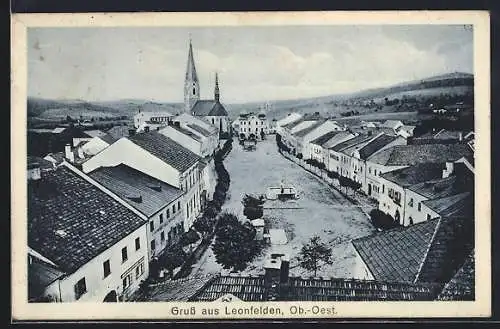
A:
(351, 142)
(455, 205)
(341, 136)
(253, 288)
(165, 149)
(305, 131)
(375, 144)
(187, 119)
(462, 285)
(405, 155)
(108, 138)
(325, 138)
(141, 191)
(444, 187)
(416, 174)
(199, 129)
(208, 108)
(71, 221)
(294, 123)
(182, 130)
(396, 254)
(118, 132)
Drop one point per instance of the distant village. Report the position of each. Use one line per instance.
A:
(108, 209)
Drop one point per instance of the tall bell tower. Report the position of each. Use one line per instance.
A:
(191, 83)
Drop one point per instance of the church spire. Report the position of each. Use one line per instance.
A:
(191, 68)
(191, 83)
(216, 91)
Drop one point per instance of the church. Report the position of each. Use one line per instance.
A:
(211, 111)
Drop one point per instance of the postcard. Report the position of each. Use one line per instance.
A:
(258, 165)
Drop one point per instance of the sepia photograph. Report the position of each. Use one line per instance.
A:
(224, 168)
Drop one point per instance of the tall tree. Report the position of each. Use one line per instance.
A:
(314, 254)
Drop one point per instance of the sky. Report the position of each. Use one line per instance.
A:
(254, 63)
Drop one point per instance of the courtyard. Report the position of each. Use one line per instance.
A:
(320, 210)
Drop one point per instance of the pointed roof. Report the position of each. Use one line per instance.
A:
(191, 68)
(209, 108)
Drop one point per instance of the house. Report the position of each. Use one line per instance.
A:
(431, 251)
(395, 125)
(291, 117)
(441, 136)
(288, 130)
(251, 125)
(160, 157)
(158, 201)
(87, 136)
(359, 156)
(208, 133)
(40, 142)
(96, 144)
(142, 119)
(306, 135)
(406, 131)
(340, 162)
(118, 132)
(212, 111)
(84, 243)
(321, 145)
(350, 166)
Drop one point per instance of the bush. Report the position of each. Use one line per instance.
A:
(189, 237)
(300, 156)
(382, 220)
(171, 259)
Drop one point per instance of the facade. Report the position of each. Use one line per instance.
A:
(67, 213)
(152, 119)
(96, 145)
(339, 161)
(157, 201)
(159, 157)
(305, 136)
(291, 117)
(209, 134)
(251, 125)
(212, 111)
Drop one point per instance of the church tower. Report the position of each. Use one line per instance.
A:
(216, 91)
(191, 83)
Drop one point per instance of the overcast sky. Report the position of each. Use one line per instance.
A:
(254, 63)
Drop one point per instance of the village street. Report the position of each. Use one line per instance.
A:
(320, 210)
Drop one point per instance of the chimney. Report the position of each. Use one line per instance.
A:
(80, 153)
(448, 170)
(68, 154)
(460, 136)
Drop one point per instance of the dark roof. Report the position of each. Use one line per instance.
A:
(186, 132)
(58, 156)
(130, 184)
(40, 276)
(462, 285)
(455, 205)
(208, 108)
(396, 255)
(71, 221)
(108, 138)
(118, 132)
(44, 164)
(412, 175)
(166, 149)
(443, 187)
(199, 129)
(325, 138)
(177, 290)
(305, 131)
(94, 133)
(405, 155)
(375, 145)
(253, 288)
(294, 123)
(351, 142)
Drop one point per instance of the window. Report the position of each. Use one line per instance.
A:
(383, 188)
(80, 288)
(124, 254)
(153, 244)
(187, 210)
(370, 170)
(168, 213)
(411, 203)
(428, 217)
(375, 172)
(137, 272)
(213, 122)
(126, 281)
(106, 268)
(194, 91)
(161, 218)
(162, 236)
(137, 244)
(419, 206)
(152, 225)
(173, 209)
(178, 205)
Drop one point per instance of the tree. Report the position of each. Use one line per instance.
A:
(300, 156)
(189, 237)
(205, 224)
(172, 259)
(382, 220)
(252, 206)
(235, 243)
(314, 254)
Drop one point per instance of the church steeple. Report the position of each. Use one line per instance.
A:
(191, 83)
(216, 91)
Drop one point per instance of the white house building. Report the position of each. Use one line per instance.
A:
(160, 157)
(291, 117)
(96, 145)
(84, 243)
(208, 133)
(153, 119)
(340, 162)
(251, 125)
(306, 135)
(158, 201)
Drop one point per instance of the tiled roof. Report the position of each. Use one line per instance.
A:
(341, 136)
(325, 138)
(444, 187)
(108, 138)
(129, 184)
(71, 221)
(166, 149)
(253, 288)
(454, 205)
(396, 255)
(462, 285)
(375, 145)
(177, 290)
(357, 146)
(247, 288)
(186, 132)
(40, 276)
(405, 155)
(313, 289)
(199, 129)
(418, 173)
(294, 123)
(305, 131)
(118, 132)
(208, 108)
(353, 141)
